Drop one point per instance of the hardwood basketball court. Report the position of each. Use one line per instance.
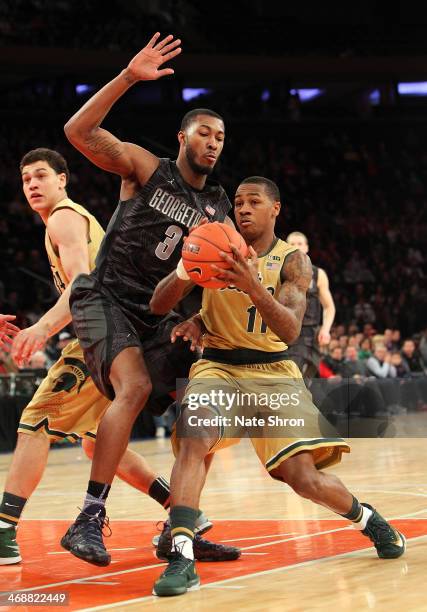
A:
(296, 556)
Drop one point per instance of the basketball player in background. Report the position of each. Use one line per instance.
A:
(7, 329)
(160, 200)
(247, 326)
(67, 403)
(316, 325)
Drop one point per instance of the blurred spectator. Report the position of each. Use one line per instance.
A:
(354, 341)
(379, 364)
(365, 350)
(343, 341)
(423, 347)
(368, 330)
(402, 371)
(37, 361)
(51, 352)
(63, 339)
(331, 365)
(378, 339)
(411, 358)
(363, 311)
(395, 340)
(353, 367)
(388, 339)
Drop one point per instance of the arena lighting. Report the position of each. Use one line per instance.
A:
(307, 94)
(83, 88)
(188, 93)
(265, 96)
(375, 97)
(412, 89)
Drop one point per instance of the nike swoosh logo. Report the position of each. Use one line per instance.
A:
(11, 505)
(14, 547)
(196, 270)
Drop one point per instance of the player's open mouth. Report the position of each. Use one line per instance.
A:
(36, 196)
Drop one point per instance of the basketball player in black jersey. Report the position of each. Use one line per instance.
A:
(315, 330)
(160, 201)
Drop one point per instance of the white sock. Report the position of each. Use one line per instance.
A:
(4, 525)
(361, 523)
(184, 545)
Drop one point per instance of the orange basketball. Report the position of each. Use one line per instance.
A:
(201, 249)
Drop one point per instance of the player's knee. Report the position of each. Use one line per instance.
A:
(38, 438)
(195, 448)
(306, 485)
(135, 393)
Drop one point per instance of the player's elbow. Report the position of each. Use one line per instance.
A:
(291, 335)
(73, 131)
(290, 339)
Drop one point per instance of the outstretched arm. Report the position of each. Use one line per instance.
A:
(68, 231)
(100, 146)
(284, 314)
(328, 306)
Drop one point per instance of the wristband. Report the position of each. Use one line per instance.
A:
(181, 271)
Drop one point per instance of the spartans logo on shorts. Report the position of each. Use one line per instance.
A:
(76, 374)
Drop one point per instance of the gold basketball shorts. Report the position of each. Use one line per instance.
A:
(67, 404)
(269, 403)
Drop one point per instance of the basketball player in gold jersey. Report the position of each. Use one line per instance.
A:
(67, 403)
(247, 327)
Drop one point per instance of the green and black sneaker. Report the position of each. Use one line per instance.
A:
(389, 542)
(204, 550)
(9, 549)
(179, 577)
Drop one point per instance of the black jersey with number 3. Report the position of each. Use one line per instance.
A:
(144, 238)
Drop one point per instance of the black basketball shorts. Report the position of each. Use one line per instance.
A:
(104, 330)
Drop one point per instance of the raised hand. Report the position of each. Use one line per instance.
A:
(7, 330)
(243, 273)
(145, 65)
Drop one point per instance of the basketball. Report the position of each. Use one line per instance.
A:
(201, 249)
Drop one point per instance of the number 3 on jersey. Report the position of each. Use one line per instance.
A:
(173, 235)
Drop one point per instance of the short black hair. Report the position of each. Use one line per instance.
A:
(53, 158)
(270, 187)
(189, 117)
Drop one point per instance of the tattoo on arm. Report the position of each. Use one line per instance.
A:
(102, 145)
(129, 79)
(284, 314)
(298, 273)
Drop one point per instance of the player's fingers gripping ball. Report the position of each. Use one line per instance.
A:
(201, 249)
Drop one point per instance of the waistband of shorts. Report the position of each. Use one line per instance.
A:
(242, 356)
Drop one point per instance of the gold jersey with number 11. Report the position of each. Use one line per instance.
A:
(231, 319)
